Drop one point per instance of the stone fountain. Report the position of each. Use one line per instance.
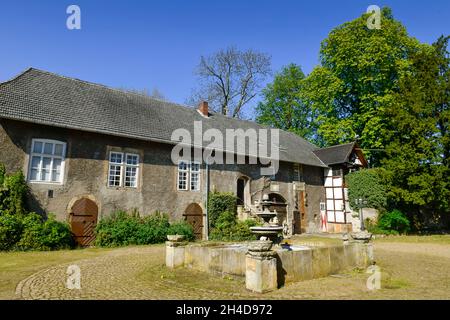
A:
(270, 230)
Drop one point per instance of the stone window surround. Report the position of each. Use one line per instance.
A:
(124, 151)
(189, 174)
(53, 156)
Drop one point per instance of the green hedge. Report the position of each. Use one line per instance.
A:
(218, 203)
(21, 230)
(228, 228)
(121, 229)
(32, 232)
(366, 184)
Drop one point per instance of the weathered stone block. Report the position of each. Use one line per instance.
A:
(260, 273)
(174, 256)
(321, 262)
(337, 260)
(302, 265)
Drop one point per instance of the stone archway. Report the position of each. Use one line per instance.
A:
(194, 216)
(83, 220)
(279, 204)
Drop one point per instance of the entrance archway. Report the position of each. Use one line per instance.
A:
(243, 191)
(83, 220)
(194, 216)
(279, 204)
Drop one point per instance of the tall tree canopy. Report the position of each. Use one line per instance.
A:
(230, 78)
(417, 163)
(283, 107)
(358, 77)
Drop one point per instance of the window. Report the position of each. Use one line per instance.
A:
(298, 172)
(123, 170)
(188, 176)
(47, 161)
(337, 172)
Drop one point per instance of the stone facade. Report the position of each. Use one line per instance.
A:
(86, 175)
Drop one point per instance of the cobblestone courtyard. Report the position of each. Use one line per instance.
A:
(409, 271)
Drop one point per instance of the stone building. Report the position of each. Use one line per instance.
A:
(87, 150)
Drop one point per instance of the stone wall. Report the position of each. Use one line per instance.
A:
(292, 266)
(86, 169)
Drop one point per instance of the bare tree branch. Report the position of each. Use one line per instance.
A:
(229, 79)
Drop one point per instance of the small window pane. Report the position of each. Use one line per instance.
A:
(56, 176)
(37, 147)
(183, 166)
(182, 180)
(114, 176)
(116, 157)
(195, 167)
(130, 177)
(132, 159)
(35, 161)
(59, 150)
(195, 185)
(57, 164)
(34, 174)
(48, 148)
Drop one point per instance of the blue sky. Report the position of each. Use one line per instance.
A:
(157, 44)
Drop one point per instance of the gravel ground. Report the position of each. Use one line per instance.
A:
(409, 271)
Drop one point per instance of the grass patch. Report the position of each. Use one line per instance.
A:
(435, 239)
(391, 283)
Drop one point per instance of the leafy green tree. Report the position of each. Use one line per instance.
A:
(358, 77)
(416, 166)
(283, 106)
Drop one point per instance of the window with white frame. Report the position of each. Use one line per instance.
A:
(123, 169)
(188, 176)
(47, 161)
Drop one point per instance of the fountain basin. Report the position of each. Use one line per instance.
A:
(260, 246)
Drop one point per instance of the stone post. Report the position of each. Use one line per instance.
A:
(260, 267)
(363, 240)
(175, 248)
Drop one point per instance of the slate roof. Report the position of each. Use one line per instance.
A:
(336, 154)
(46, 98)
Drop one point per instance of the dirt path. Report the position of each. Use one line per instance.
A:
(410, 271)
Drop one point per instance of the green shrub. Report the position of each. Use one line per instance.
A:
(10, 231)
(121, 229)
(154, 229)
(182, 228)
(228, 228)
(13, 192)
(366, 184)
(219, 202)
(394, 222)
(44, 235)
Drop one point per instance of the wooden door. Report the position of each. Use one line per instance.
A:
(194, 216)
(83, 220)
(301, 208)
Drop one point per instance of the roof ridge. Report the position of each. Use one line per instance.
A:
(336, 146)
(155, 99)
(17, 76)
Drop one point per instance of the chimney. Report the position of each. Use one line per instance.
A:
(203, 108)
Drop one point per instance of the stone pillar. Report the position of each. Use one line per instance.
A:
(261, 267)
(175, 248)
(363, 240)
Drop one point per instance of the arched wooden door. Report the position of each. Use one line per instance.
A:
(194, 216)
(83, 220)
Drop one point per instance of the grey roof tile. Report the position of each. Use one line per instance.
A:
(46, 98)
